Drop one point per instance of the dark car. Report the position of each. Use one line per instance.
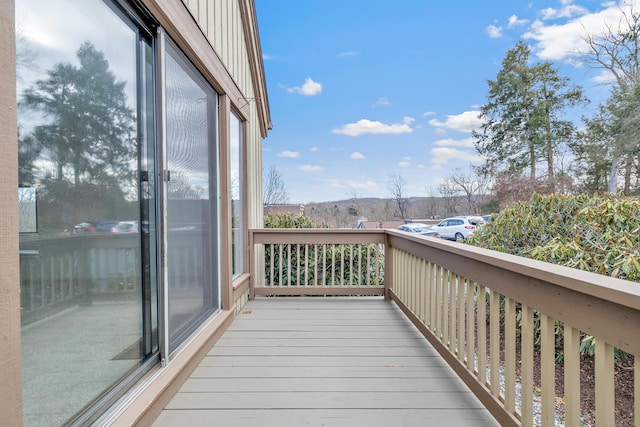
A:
(103, 226)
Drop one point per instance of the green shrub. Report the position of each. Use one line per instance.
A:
(598, 233)
(289, 220)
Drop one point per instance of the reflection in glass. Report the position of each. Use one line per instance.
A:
(81, 276)
(191, 128)
(237, 224)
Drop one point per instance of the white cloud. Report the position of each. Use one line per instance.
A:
(443, 155)
(559, 41)
(466, 143)
(266, 57)
(514, 21)
(463, 122)
(567, 10)
(309, 88)
(350, 53)
(313, 149)
(382, 102)
(428, 113)
(404, 164)
(311, 168)
(365, 126)
(604, 77)
(289, 154)
(367, 185)
(357, 156)
(494, 31)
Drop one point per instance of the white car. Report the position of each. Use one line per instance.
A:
(459, 227)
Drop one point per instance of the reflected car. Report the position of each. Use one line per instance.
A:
(104, 226)
(459, 228)
(125, 227)
(419, 228)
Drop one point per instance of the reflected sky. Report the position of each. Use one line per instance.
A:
(50, 41)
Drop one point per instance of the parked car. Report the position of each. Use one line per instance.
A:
(459, 228)
(103, 226)
(125, 227)
(422, 229)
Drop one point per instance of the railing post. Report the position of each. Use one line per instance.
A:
(388, 267)
(252, 267)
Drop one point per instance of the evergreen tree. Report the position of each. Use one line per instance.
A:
(522, 116)
(90, 128)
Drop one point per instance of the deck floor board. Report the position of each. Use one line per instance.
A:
(323, 362)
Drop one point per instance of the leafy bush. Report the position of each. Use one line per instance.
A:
(598, 233)
(288, 220)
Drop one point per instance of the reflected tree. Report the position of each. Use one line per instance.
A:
(90, 131)
(86, 134)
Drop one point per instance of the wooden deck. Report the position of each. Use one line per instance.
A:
(323, 362)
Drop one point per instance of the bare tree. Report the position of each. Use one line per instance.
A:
(396, 186)
(449, 194)
(473, 186)
(616, 50)
(274, 192)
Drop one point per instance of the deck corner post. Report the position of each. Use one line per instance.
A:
(388, 267)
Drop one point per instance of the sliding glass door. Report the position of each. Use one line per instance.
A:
(87, 207)
(190, 177)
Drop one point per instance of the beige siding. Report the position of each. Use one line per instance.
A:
(10, 383)
(221, 22)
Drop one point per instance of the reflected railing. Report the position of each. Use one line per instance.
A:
(507, 325)
(56, 272)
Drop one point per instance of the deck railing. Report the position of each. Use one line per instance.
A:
(496, 318)
(63, 270)
(319, 262)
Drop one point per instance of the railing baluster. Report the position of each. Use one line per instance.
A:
(571, 375)
(453, 283)
(431, 295)
(470, 289)
(271, 247)
(605, 387)
(52, 270)
(510, 354)
(526, 365)
(636, 389)
(298, 262)
(368, 265)
(461, 317)
(439, 302)
(352, 268)
(422, 291)
(324, 264)
(547, 361)
(333, 265)
(289, 264)
(281, 258)
(494, 341)
(481, 302)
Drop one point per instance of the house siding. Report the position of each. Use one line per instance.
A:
(10, 375)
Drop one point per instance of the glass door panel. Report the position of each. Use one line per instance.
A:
(83, 121)
(191, 111)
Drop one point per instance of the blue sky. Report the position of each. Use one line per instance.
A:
(360, 90)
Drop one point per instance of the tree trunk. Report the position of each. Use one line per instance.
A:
(613, 175)
(628, 167)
